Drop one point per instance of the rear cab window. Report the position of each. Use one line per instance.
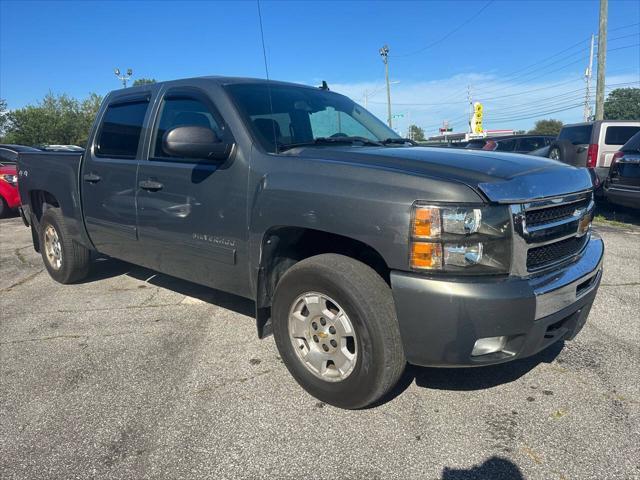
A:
(619, 135)
(121, 128)
(577, 135)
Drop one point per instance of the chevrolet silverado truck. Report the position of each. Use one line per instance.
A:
(362, 251)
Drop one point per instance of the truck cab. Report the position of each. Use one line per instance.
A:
(361, 250)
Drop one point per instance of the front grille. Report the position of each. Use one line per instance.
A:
(539, 257)
(553, 214)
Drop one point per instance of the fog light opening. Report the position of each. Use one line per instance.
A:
(484, 346)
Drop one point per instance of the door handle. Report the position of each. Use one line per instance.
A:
(150, 185)
(91, 178)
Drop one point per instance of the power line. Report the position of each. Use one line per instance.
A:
(443, 38)
(486, 99)
(544, 103)
(535, 115)
(563, 106)
(624, 26)
(512, 75)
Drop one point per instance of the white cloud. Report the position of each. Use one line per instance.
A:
(506, 103)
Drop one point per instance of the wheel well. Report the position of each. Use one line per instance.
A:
(282, 247)
(40, 201)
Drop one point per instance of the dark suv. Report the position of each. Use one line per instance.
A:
(622, 185)
(512, 144)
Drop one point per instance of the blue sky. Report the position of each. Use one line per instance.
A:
(521, 58)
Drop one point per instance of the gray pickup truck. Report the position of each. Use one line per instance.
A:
(361, 250)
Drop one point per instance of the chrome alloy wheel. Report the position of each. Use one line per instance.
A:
(52, 247)
(322, 336)
(554, 154)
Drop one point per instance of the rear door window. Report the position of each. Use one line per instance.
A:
(619, 135)
(530, 144)
(7, 156)
(506, 146)
(120, 131)
(578, 135)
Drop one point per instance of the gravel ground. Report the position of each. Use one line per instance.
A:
(138, 375)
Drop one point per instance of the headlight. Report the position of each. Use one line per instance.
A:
(11, 179)
(471, 239)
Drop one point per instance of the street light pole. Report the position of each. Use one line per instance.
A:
(384, 53)
(123, 78)
(602, 59)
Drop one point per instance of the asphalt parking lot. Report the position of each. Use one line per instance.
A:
(136, 375)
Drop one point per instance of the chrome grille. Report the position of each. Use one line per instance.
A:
(550, 231)
(538, 217)
(540, 256)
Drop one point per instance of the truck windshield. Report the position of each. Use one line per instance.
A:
(284, 116)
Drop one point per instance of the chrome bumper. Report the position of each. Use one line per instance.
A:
(561, 288)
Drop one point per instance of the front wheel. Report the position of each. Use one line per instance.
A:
(335, 326)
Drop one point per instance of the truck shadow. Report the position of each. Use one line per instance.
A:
(472, 378)
(456, 379)
(104, 267)
(615, 213)
(492, 468)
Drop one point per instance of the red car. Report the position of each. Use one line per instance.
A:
(9, 196)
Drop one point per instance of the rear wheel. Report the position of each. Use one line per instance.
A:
(4, 208)
(336, 330)
(65, 260)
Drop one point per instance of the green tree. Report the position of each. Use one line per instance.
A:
(416, 133)
(4, 117)
(546, 127)
(143, 81)
(622, 104)
(56, 119)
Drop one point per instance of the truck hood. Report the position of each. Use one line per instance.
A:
(501, 177)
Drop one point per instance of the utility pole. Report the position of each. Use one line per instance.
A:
(587, 78)
(470, 108)
(123, 78)
(384, 53)
(602, 59)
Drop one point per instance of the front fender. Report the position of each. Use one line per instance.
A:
(367, 204)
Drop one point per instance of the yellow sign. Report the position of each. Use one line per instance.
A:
(476, 122)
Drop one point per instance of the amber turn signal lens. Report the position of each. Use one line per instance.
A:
(426, 256)
(426, 222)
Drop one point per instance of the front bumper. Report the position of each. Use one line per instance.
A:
(441, 320)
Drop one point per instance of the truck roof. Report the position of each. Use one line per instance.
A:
(217, 79)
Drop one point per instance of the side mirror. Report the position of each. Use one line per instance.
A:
(192, 141)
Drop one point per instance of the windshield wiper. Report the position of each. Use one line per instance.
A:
(399, 141)
(331, 140)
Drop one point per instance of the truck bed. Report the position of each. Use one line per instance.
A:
(52, 175)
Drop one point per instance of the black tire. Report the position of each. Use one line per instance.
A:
(4, 208)
(367, 300)
(563, 151)
(75, 258)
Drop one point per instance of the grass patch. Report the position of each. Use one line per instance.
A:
(605, 221)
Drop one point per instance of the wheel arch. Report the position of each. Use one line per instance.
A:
(284, 246)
